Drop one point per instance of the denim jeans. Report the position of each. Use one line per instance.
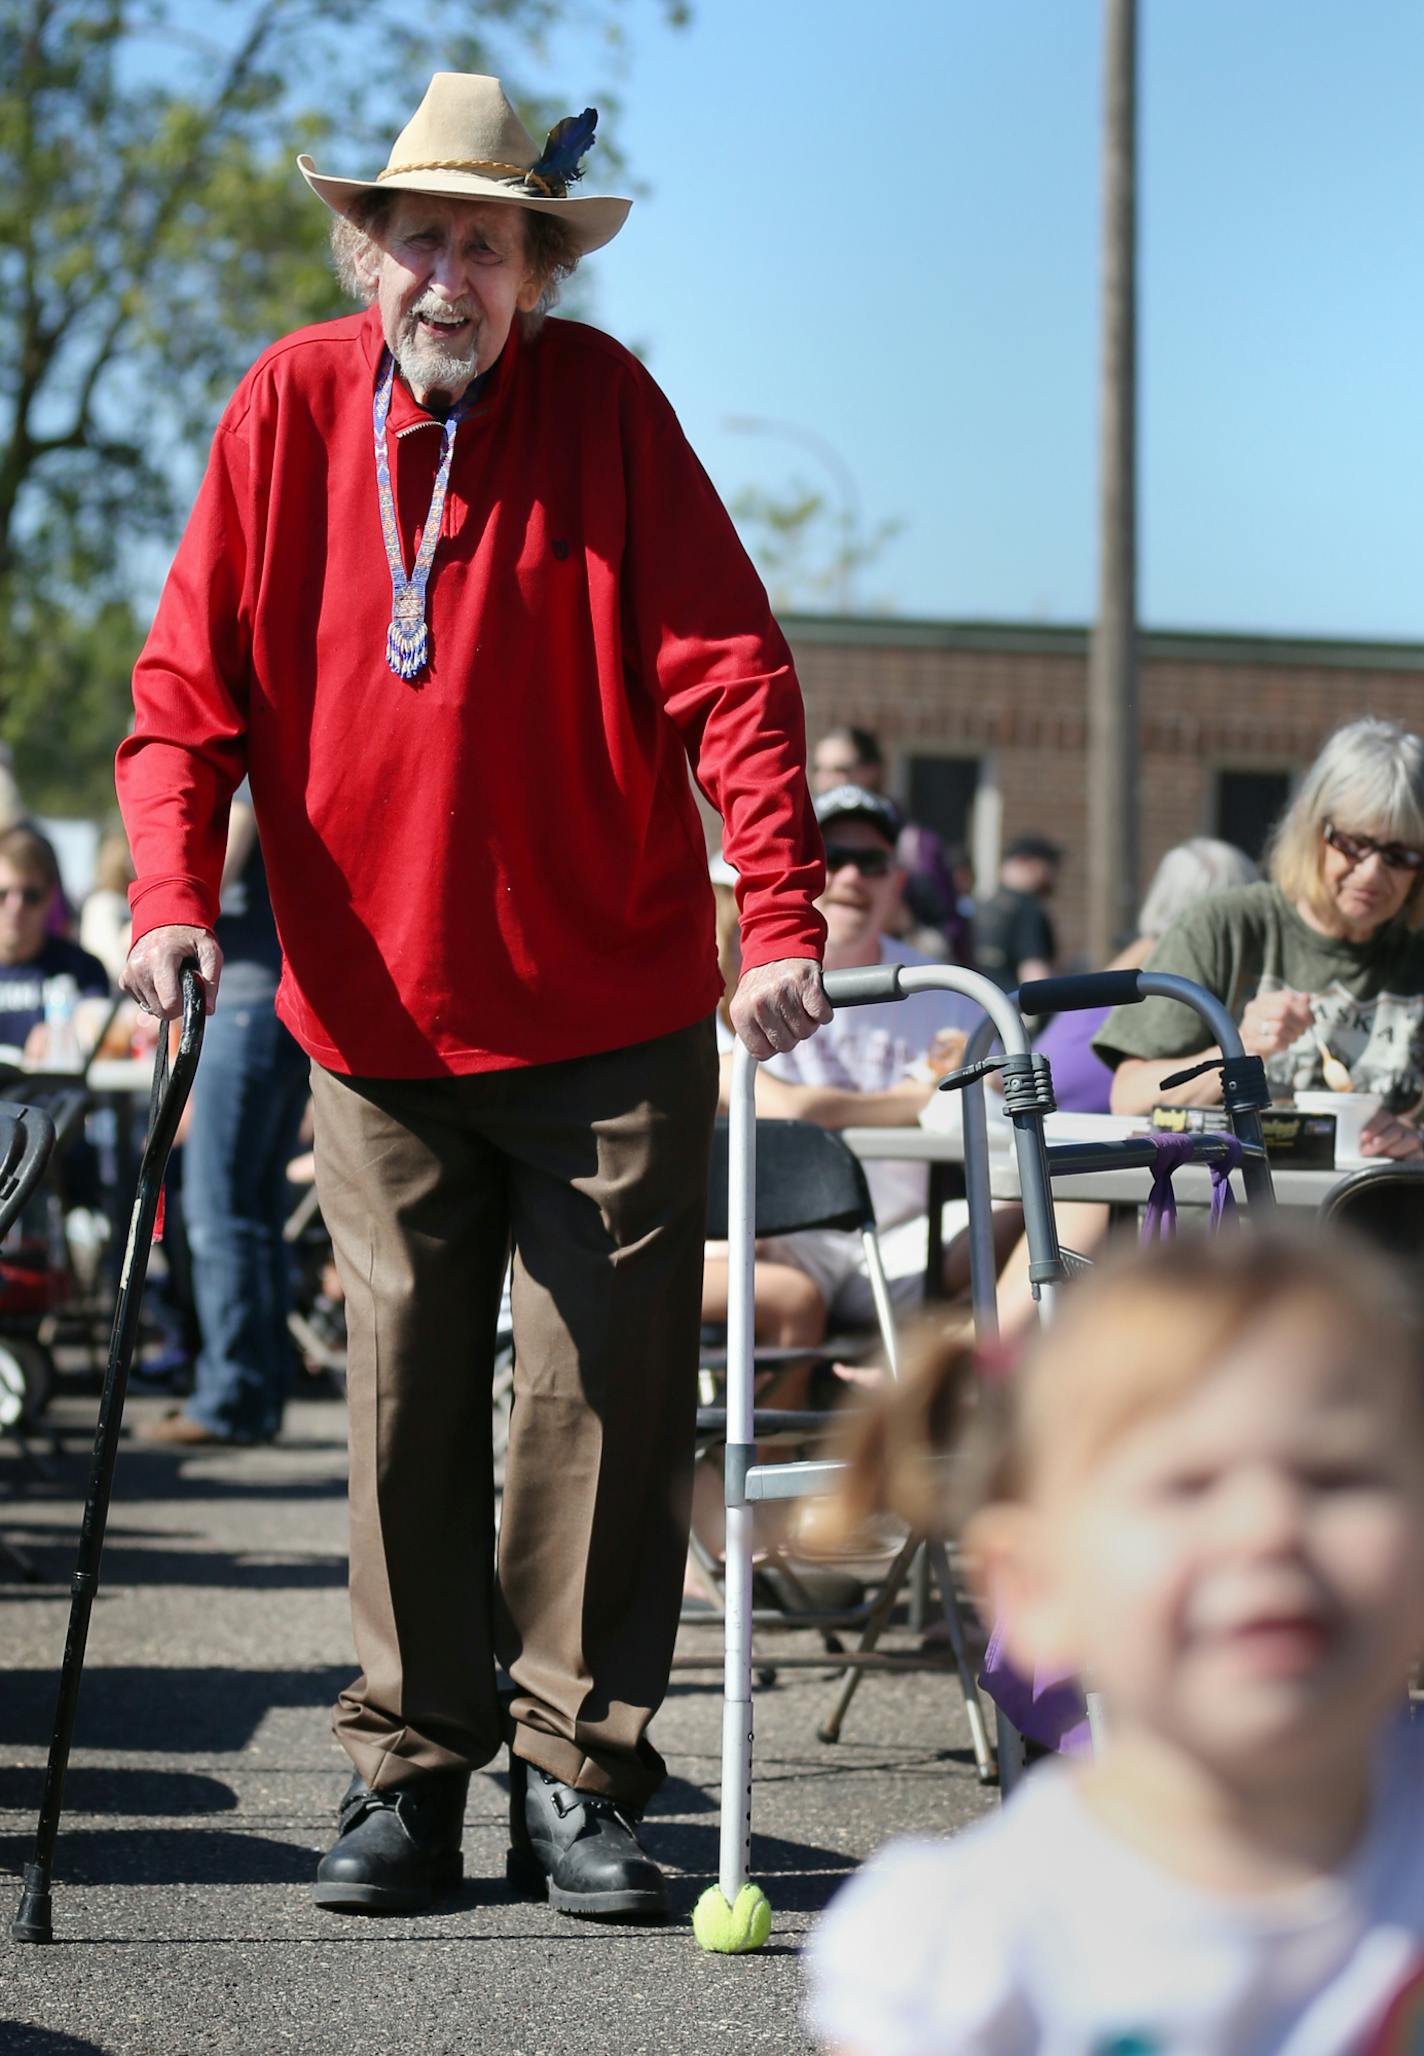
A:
(248, 1099)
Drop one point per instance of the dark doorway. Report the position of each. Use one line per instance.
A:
(940, 794)
(1248, 805)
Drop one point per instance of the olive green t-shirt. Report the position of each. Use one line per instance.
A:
(1368, 996)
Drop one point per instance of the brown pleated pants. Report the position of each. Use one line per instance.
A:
(595, 1170)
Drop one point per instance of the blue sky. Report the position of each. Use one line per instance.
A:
(881, 225)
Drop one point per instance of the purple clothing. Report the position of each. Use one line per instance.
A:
(1082, 1082)
(1050, 1710)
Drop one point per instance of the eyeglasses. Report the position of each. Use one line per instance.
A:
(1398, 856)
(869, 863)
(28, 895)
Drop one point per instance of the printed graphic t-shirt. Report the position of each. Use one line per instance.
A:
(1368, 997)
(22, 986)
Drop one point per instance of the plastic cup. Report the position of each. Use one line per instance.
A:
(1352, 1111)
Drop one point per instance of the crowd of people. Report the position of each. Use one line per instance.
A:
(507, 988)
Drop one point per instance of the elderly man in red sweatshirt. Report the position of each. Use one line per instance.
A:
(459, 599)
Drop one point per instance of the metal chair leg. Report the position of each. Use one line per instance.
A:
(1011, 1752)
(938, 1559)
(830, 1728)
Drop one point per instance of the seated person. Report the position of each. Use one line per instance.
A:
(1324, 958)
(30, 957)
(870, 1066)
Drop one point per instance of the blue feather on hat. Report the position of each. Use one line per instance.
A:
(565, 146)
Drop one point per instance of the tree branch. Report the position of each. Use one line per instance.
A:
(244, 60)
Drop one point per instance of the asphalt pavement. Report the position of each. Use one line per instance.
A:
(204, 1782)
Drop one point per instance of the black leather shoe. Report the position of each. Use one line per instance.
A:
(396, 1850)
(577, 1849)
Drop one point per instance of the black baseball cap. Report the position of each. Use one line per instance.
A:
(1035, 846)
(854, 803)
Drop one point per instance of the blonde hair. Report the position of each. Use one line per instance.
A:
(113, 865)
(964, 1428)
(1369, 779)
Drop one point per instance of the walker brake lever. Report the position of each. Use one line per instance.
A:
(1197, 1071)
(1244, 1086)
(955, 1081)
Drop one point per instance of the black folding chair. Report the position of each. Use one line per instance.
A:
(26, 1143)
(1383, 1203)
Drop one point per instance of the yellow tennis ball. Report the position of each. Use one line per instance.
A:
(732, 1930)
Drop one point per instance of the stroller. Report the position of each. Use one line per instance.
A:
(37, 1278)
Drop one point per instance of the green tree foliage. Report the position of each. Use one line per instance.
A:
(810, 553)
(154, 236)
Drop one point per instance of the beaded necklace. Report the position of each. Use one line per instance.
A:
(407, 639)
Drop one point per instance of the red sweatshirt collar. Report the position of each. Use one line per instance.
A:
(406, 410)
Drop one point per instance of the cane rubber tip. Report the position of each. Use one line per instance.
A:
(732, 1930)
(33, 1922)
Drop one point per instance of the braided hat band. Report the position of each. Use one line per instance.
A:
(465, 142)
(518, 171)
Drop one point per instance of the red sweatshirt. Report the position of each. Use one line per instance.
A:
(501, 863)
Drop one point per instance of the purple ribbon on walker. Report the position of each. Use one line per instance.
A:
(1160, 1217)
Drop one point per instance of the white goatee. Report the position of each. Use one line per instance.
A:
(425, 365)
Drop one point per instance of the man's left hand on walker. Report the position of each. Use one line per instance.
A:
(1385, 1135)
(775, 1006)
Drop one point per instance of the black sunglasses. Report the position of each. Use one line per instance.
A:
(1398, 856)
(869, 863)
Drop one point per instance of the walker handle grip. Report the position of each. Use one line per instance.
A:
(1087, 989)
(862, 987)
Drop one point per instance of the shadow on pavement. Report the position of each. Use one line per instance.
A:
(136, 1706)
(165, 1856)
(799, 1876)
(161, 1476)
(255, 1571)
(129, 1792)
(676, 1795)
(17, 2038)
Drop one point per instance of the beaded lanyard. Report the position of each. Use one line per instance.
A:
(407, 640)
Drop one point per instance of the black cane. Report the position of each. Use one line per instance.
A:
(170, 1090)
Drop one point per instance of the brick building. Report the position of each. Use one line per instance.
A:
(984, 725)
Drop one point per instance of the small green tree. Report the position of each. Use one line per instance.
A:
(810, 553)
(154, 236)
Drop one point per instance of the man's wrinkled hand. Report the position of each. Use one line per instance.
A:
(775, 1006)
(152, 973)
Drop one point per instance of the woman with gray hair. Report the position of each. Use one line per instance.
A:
(1321, 960)
(1082, 1082)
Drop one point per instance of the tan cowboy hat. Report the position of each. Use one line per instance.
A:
(465, 141)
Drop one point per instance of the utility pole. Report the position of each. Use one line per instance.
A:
(1112, 757)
